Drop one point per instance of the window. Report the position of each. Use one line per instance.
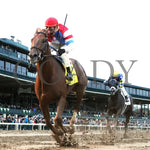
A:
(24, 71)
(127, 89)
(12, 68)
(31, 74)
(93, 84)
(19, 69)
(102, 86)
(24, 57)
(19, 55)
(89, 83)
(98, 85)
(2, 46)
(1, 65)
(134, 91)
(146, 93)
(141, 92)
(7, 66)
(138, 92)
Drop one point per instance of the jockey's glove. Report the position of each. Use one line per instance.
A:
(61, 51)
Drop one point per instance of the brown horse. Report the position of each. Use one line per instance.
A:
(50, 85)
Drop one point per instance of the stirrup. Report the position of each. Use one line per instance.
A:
(126, 99)
(69, 77)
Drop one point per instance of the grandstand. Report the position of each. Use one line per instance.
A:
(17, 87)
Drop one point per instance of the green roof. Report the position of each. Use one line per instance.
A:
(14, 44)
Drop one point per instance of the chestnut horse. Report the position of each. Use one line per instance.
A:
(50, 85)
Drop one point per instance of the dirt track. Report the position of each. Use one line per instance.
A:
(42, 140)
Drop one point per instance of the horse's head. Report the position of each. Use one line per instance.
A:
(39, 46)
(113, 86)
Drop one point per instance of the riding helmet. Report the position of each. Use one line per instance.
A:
(51, 22)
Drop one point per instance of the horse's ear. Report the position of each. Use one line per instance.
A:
(38, 30)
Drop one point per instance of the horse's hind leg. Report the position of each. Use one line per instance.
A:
(79, 93)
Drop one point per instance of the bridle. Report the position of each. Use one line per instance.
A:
(113, 90)
(113, 86)
(41, 55)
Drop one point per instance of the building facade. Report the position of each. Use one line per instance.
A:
(17, 85)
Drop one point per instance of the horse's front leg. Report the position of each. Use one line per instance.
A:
(108, 124)
(115, 122)
(126, 125)
(45, 110)
(58, 118)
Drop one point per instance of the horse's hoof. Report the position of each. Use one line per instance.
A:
(125, 136)
(71, 130)
(67, 140)
(56, 137)
(60, 133)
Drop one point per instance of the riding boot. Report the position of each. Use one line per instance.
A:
(69, 74)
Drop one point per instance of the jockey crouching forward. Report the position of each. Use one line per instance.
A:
(118, 76)
(61, 39)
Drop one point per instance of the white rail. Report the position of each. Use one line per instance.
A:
(40, 126)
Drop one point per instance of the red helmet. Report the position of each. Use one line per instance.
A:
(51, 22)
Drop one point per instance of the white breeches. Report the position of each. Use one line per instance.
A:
(124, 91)
(66, 60)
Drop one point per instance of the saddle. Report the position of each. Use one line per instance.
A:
(72, 69)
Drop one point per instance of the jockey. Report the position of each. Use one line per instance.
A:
(118, 76)
(60, 38)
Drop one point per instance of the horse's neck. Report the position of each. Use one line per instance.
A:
(49, 67)
(115, 97)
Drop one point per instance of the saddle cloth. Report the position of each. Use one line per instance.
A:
(74, 75)
(72, 69)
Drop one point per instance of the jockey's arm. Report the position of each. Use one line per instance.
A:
(69, 41)
(106, 82)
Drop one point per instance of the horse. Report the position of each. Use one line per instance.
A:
(50, 84)
(117, 106)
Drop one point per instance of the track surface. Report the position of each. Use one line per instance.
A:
(99, 140)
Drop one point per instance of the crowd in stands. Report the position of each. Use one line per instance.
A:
(90, 117)
(80, 121)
